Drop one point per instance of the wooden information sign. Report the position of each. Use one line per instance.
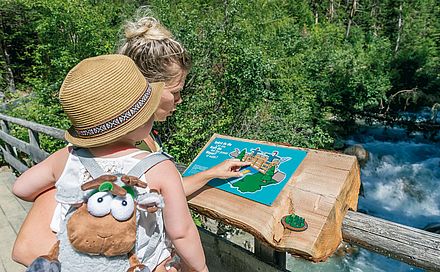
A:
(321, 189)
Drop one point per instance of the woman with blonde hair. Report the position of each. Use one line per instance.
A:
(160, 58)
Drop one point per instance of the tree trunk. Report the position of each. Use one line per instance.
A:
(399, 27)
(350, 18)
(374, 14)
(9, 77)
(316, 17)
(315, 11)
(331, 10)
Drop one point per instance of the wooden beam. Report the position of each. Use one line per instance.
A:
(410, 245)
(267, 254)
(222, 255)
(35, 152)
(51, 131)
(5, 128)
(34, 140)
(12, 161)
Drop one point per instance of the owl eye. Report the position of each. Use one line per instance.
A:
(99, 204)
(122, 207)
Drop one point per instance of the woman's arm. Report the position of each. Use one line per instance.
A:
(35, 237)
(191, 184)
(178, 221)
(224, 170)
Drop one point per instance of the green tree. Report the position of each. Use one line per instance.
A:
(45, 39)
(278, 71)
(269, 174)
(241, 155)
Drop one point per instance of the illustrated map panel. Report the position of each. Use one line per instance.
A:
(270, 169)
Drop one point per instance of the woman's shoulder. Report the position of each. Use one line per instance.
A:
(141, 154)
(163, 174)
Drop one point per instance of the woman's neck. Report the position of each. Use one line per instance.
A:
(151, 143)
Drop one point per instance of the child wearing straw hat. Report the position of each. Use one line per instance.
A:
(111, 107)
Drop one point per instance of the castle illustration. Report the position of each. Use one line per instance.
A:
(260, 161)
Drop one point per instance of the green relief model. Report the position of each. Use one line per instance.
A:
(294, 222)
(255, 182)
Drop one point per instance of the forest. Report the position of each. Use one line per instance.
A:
(298, 72)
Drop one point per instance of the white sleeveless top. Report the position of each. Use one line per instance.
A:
(69, 192)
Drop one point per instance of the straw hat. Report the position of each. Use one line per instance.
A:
(106, 97)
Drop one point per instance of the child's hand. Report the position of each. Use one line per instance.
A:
(228, 169)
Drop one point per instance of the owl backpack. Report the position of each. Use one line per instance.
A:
(118, 227)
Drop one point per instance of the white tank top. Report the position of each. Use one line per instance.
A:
(69, 192)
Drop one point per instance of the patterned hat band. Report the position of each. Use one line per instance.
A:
(116, 122)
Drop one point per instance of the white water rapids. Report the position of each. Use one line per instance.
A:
(401, 184)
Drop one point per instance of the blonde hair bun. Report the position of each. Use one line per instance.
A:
(151, 45)
(147, 28)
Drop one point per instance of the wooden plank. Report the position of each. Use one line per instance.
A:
(35, 152)
(34, 140)
(5, 128)
(12, 214)
(8, 178)
(7, 235)
(51, 131)
(413, 246)
(12, 209)
(321, 190)
(12, 161)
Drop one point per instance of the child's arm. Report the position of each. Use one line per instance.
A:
(178, 221)
(41, 177)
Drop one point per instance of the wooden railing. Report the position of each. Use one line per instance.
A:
(413, 246)
(12, 145)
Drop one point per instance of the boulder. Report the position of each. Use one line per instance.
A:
(360, 152)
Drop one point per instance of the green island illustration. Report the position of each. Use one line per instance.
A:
(265, 164)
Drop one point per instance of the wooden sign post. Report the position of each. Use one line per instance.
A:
(322, 189)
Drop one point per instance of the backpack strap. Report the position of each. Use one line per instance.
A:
(148, 162)
(154, 238)
(86, 158)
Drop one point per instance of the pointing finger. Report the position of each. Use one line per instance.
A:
(240, 163)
